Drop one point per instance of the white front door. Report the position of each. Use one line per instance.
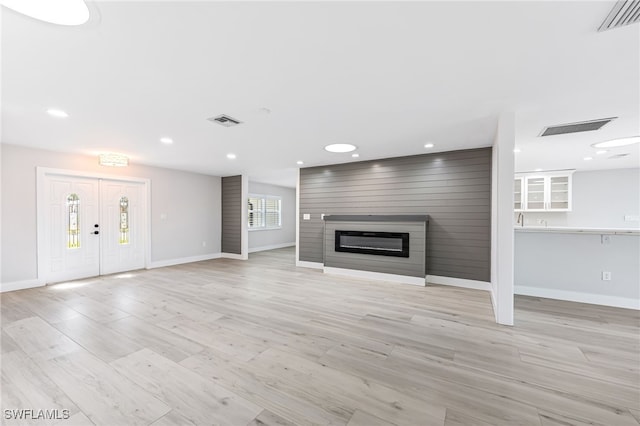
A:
(122, 228)
(90, 226)
(71, 215)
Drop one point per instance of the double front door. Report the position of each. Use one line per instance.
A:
(90, 226)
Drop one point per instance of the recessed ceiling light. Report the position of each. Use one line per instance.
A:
(355, 155)
(588, 158)
(231, 156)
(617, 142)
(516, 150)
(340, 147)
(57, 113)
(299, 162)
(167, 141)
(538, 170)
(67, 12)
(428, 145)
(602, 151)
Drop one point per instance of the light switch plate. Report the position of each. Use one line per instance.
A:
(306, 216)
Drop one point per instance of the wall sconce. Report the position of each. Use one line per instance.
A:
(113, 160)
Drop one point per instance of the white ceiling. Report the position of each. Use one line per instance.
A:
(387, 77)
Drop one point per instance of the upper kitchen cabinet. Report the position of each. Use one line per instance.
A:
(543, 192)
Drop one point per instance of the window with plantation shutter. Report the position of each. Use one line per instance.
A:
(264, 212)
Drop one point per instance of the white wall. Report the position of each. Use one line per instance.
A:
(570, 266)
(190, 202)
(273, 238)
(601, 199)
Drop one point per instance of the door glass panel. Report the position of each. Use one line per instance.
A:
(124, 220)
(535, 193)
(559, 192)
(517, 194)
(73, 221)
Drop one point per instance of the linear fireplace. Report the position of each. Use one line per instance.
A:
(376, 243)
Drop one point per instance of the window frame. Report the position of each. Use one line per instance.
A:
(264, 211)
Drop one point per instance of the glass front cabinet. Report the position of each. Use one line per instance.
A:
(543, 192)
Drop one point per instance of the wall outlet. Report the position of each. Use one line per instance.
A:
(606, 276)
(605, 239)
(204, 244)
(632, 218)
(306, 216)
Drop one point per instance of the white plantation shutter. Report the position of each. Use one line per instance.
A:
(264, 212)
(255, 214)
(273, 216)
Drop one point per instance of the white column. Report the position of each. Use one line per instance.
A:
(244, 226)
(503, 169)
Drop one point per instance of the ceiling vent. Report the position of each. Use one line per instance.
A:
(623, 13)
(225, 120)
(583, 126)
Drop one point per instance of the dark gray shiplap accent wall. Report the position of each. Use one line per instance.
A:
(232, 214)
(453, 188)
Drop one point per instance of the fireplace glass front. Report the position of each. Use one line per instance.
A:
(375, 243)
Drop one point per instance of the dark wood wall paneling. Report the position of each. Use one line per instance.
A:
(232, 214)
(453, 188)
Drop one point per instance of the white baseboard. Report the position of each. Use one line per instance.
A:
(312, 265)
(21, 285)
(379, 276)
(180, 261)
(234, 256)
(271, 247)
(575, 296)
(459, 282)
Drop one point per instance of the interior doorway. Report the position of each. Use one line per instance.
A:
(90, 225)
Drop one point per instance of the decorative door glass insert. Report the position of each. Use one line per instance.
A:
(124, 220)
(73, 221)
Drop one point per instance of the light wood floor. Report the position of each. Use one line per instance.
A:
(265, 343)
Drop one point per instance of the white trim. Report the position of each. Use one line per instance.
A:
(298, 220)
(459, 282)
(182, 260)
(494, 303)
(20, 285)
(233, 256)
(575, 296)
(305, 264)
(271, 247)
(93, 175)
(403, 279)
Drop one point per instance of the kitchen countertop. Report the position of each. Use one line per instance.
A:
(578, 230)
